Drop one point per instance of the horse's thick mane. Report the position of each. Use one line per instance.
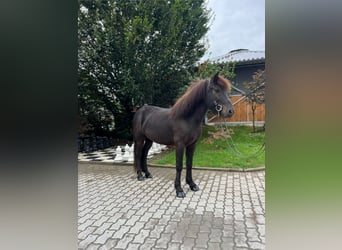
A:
(187, 102)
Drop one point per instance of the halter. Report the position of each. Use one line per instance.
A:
(218, 107)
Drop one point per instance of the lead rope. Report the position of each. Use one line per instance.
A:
(231, 144)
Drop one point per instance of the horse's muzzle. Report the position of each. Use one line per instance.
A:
(229, 112)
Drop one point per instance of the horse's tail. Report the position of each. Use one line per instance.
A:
(137, 130)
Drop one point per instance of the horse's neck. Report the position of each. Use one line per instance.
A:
(199, 113)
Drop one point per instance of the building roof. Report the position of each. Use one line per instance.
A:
(240, 56)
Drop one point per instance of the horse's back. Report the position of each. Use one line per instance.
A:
(148, 113)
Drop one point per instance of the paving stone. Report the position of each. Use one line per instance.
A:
(170, 210)
(228, 231)
(141, 211)
(124, 241)
(171, 227)
(83, 234)
(261, 230)
(132, 220)
(98, 209)
(137, 227)
(148, 244)
(158, 214)
(120, 233)
(87, 241)
(214, 246)
(262, 239)
(93, 247)
(202, 240)
(146, 217)
(131, 213)
(239, 216)
(260, 219)
(240, 240)
(258, 210)
(104, 237)
(103, 228)
(140, 238)
(118, 224)
(132, 246)
(158, 229)
(217, 222)
(205, 228)
(250, 222)
(218, 212)
(239, 227)
(196, 219)
(113, 218)
(199, 210)
(173, 246)
(228, 219)
(252, 234)
(163, 240)
(228, 210)
(215, 235)
(151, 224)
(188, 243)
(177, 216)
(86, 224)
(192, 231)
(85, 217)
(164, 220)
(227, 243)
(110, 244)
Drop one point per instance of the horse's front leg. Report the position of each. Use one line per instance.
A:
(179, 166)
(190, 150)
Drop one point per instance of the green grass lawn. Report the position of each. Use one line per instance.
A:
(216, 153)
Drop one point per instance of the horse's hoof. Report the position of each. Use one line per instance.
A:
(180, 194)
(194, 188)
(148, 175)
(140, 178)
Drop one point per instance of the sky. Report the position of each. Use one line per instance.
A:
(236, 24)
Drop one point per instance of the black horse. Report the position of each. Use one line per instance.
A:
(179, 125)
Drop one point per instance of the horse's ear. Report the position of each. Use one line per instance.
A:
(215, 77)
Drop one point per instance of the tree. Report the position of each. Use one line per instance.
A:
(255, 92)
(133, 52)
(208, 69)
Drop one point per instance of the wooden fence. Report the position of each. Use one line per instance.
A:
(243, 112)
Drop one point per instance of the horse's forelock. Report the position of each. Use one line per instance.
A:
(225, 83)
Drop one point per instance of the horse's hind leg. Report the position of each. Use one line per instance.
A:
(138, 147)
(146, 148)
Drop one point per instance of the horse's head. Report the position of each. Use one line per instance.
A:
(217, 96)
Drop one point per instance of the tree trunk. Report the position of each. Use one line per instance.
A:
(253, 115)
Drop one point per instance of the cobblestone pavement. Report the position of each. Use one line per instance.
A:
(117, 212)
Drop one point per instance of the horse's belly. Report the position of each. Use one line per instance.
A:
(159, 131)
(160, 136)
